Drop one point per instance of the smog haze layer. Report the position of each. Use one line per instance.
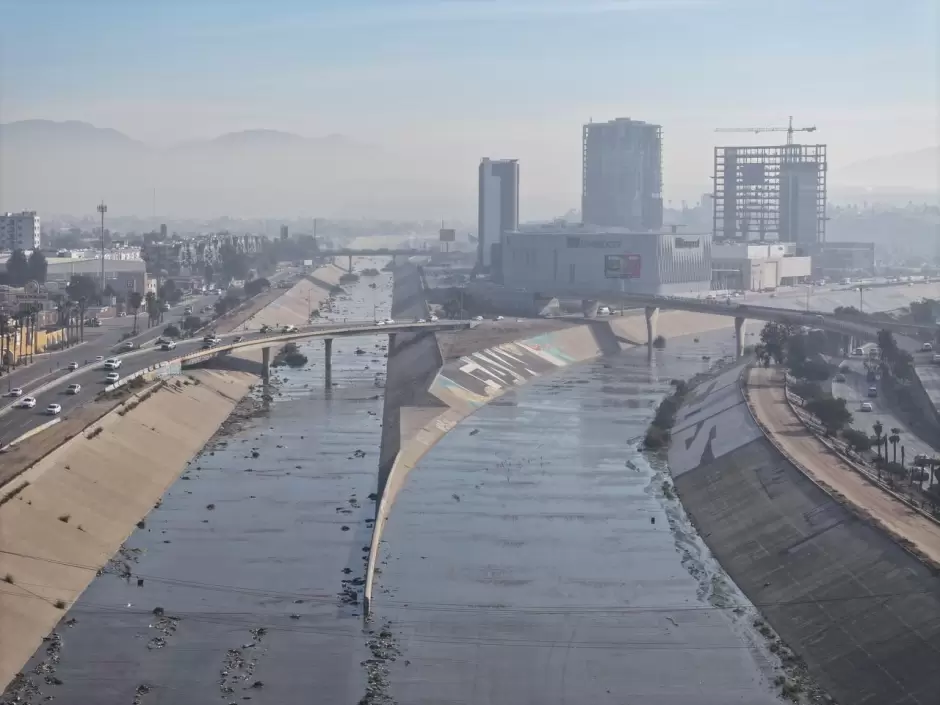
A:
(383, 109)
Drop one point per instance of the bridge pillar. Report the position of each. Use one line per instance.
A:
(391, 343)
(266, 365)
(589, 308)
(652, 315)
(328, 361)
(738, 337)
(349, 268)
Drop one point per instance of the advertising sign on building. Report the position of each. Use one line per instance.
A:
(622, 266)
(448, 235)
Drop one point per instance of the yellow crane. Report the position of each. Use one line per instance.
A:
(789, 129)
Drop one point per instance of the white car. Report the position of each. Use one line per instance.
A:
(112, 377)
(380, 323)
(926, 347)
(605, 310)
(389, 322)
(99, 358)
(73, 366)
(498, 318)
(53, 409)
(73, 389)
(478, 318)
(112, 363)
(27, 402)
(289, 329)
(866, 406)
(433, 319)
(15, 392)
(168, 345)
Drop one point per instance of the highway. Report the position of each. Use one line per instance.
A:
(98, 341)
(15, 421)
(855, 392)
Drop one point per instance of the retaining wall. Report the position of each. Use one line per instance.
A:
(74, 507)
(861, 611)
(83, 500)
(458, 387)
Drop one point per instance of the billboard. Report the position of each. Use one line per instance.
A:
(448, 235)
(308, 263)
(622, 266)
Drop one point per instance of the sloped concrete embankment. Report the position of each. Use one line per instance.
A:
(292, 307)
(64, 517)
(419, 414)
(862, 612)
(75, 507)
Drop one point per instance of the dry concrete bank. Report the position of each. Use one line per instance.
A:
(66, 516)
(294, 307)
(863, 613)
(434, 382)
(85, 498)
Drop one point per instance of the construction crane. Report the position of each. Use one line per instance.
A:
(789, 130)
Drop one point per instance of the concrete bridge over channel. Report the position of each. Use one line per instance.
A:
(371, 252)
(851, 329)
(265, 341)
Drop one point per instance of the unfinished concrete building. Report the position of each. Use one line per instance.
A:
(771, 193)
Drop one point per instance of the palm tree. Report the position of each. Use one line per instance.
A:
(134, 300)
(4, 339)
(894, 439)
(878, 428)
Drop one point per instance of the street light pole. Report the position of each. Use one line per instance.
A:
(102, 208)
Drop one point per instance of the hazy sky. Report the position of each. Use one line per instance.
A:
(467, 78)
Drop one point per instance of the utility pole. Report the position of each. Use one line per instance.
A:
(102, 208)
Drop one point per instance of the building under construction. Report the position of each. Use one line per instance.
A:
(771, 193)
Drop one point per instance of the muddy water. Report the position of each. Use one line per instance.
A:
(531, 558)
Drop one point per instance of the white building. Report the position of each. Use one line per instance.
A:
(498, 208)
(19, 231)
(758, 267)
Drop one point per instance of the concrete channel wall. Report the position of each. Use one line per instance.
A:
(861, 611)
(443, 392)
(67, 514)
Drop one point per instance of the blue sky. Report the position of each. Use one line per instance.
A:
(465, 78)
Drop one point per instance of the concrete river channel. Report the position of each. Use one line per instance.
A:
(534, 556)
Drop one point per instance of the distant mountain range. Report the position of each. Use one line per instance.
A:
(914, 171)
(67, 167)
